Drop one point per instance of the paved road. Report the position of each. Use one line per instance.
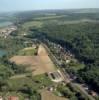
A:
(66, 75)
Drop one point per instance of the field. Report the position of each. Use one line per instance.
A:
(50, 17)
(35, 82)
(46, 95)
(38, 64)
(37, 24)
(27, 52)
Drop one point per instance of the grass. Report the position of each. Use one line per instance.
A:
(24, 29)
(43, 80)
(35, 82)
(30, 24)
(50, 17)
(76, 66)
(27, 52)
(61, 88)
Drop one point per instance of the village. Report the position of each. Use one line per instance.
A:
(63, 57)
(6, 31)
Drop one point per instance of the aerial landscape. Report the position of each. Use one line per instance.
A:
(49, 50)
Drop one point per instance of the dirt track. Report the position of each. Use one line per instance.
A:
(39, 64)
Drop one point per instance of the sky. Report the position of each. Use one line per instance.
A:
(22, 5)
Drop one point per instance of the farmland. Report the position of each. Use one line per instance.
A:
(38, 64)
(30, 24)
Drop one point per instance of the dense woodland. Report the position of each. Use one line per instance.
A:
(83, 40)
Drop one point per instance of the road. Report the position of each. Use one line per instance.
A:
(66, 75)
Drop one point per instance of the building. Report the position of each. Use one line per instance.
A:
(56, 76)
(13, 98)
(93, 93)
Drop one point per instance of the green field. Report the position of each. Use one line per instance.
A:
(24, 28)
(50, 17)
(27, 52)
(30, 24)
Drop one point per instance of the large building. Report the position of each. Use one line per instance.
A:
(56, 76)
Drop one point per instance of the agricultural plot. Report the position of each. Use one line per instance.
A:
(37, 24)
(39, 64)
(50, 17)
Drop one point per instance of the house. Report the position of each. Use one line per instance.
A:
(67, 61)
(50, 89)
(93, 93)
(13, 98)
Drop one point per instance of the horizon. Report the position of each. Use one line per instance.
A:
(49, 10)
(23, 5)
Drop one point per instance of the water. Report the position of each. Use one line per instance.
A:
(4, 24)
(2, 53)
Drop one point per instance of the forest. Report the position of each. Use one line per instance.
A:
(82, 39)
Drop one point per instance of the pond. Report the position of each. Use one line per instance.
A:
(2, 52)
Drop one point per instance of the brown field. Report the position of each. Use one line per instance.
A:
(38, 64)
(46, 95)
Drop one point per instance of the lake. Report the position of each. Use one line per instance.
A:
(5, 23)
(2, 52)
